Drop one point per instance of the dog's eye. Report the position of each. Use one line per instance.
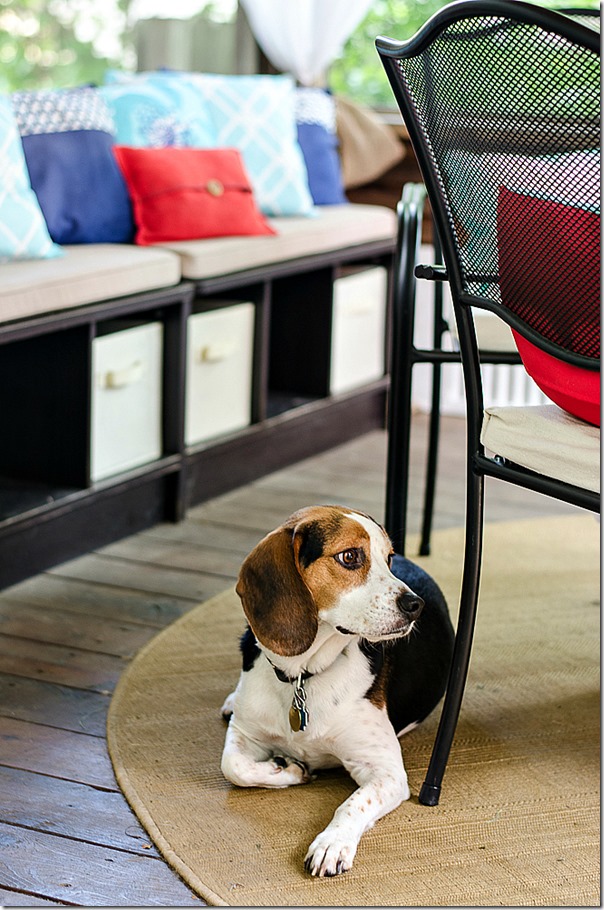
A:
(353, 558)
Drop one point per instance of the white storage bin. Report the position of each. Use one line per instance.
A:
(219, 372)
(126, 399)
(359, 325)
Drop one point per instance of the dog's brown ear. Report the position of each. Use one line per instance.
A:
(278, 605)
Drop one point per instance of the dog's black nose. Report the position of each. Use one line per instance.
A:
(410, 604)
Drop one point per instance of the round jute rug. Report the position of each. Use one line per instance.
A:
(518, 822)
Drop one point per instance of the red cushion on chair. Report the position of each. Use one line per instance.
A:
(189, 194)
(549, 268)
(572, 388)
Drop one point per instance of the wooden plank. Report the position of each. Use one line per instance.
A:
(306, 487)
(162, 579)
(20, 899)
(57, 706)
(264, 510)
(67, 666)
(103, 600)
(72, 810)
(75, 631)
(42, 749)
(85, 874)
(202, 533)
(181, 555)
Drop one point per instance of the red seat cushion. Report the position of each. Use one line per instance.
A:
(549, 273)
(189, 194)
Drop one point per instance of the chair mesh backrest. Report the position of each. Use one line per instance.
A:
(509, 115)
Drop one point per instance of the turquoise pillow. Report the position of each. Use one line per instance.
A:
(23, 231)
(254, 114)
(156, 110)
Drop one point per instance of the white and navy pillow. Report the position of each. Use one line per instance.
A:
(67, 137)
(316, 124)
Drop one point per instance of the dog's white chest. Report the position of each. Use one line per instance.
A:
(334, 703)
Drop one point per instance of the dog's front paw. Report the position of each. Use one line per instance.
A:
(294, 770)
(330, 854)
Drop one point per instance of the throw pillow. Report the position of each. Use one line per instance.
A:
(549, 273)
(67, 139)
(23, 231)
(476, 179)
(256, 114)
(155, 110)
(316, 124)
(188, 194)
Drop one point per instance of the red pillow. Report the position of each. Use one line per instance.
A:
(549, 267)
(189, 194)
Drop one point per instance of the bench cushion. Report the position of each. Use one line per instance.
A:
(331, 228)
(545, 439)
(89, 273)
(86, 274)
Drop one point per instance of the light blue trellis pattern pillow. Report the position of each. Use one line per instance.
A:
(23, 231)
(257, 115)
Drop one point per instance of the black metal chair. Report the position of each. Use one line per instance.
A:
(497, 348)
(501, 101)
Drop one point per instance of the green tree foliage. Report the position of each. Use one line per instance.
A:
(58, 43)
(359, 74)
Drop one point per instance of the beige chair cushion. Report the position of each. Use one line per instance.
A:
(332, 227)
(85, 274)
(545, 439)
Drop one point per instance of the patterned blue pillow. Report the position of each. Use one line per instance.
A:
(68, 144)
(316, 122)
(254, 114)
(155, 110)
(23, 231)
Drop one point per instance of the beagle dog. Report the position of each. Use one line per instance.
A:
(348, 647)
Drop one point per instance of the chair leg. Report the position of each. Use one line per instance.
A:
(430, 791)
(401, 367)
(431, 462)
(439, 329)
(399, 441)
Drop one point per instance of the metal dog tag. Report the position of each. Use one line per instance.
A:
(295, 719)
(298, 715)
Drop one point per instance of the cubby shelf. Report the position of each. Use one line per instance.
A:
(59, 497)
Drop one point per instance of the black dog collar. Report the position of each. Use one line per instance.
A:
(283, 677)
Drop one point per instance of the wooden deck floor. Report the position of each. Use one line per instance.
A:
(67, 835)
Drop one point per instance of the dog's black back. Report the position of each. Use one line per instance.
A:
(419, 664)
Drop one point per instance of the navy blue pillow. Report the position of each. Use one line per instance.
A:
(315, 120)
(68, 144)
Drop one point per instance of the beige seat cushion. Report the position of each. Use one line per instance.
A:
(332, 227)
(547, 440)
(85, 274)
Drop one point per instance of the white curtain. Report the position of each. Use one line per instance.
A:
(303, 37)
